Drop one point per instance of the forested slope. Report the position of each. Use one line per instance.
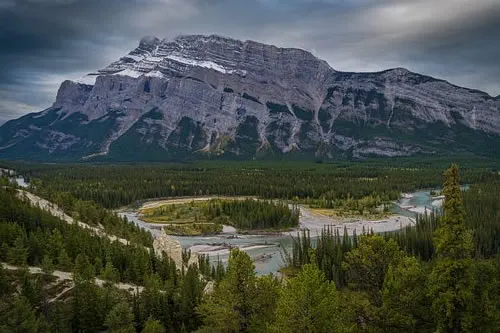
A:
(441, 276)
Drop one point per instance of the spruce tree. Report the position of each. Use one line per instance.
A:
(64, 261)
(153, 326)
(232, 307)
(451, 280)
(47, 265)
(21, 318)
(308, 304)
(18, 255)
(120, 319)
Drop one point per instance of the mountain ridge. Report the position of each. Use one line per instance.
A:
(202, 96)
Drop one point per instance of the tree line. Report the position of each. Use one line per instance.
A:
(113, 186)
(367, 283)
(30, 236)
(252, 214)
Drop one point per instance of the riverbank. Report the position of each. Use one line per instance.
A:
(265, 248)
(308, 220)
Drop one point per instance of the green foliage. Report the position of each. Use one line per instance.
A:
(367, 264)
(191, 292)
(110, 273)
(234, 306)
(120, 319)
(252, 214)
(18, 255)
(153, 326)
(84, 271)
(437, 279)
(64, 261)
(47, 265)
(451, 280)
(405, 303)
(87, 306)
(4, 283)
(22, 318)
(113, 186)
(309, 303)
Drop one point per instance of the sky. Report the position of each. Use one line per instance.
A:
(44, 42)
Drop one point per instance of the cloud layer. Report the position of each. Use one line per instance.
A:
(47, 41)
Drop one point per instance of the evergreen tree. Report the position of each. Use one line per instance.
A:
(266, 297)
(55, 244)
(451, 280)
(47, 265)
(87, 310)
(120, 319)
(4, 283)
(405, 302)
(153, 326)
(367, 264)
(191, 292)
(308, 303)
(64, 261)
(98, 266)
(18, 255)
(83, 270)
(485, 306)
(110, 273)
(232, 307)
(32, 289)
(21, 318)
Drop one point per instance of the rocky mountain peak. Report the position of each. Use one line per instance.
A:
(198, 96)
(149, 42)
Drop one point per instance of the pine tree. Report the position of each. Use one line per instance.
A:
(4, 283)
(18, 255)
(451, 280)
(153, 326)
(308, 304)
(120, 319)
(366, 265)
(191, 292)
(83, 271)
(64, 261)
(47, 265)
(110, 273)
(55, 244)
(21, 318)
(232, 307)
(405, 303)
(87, 310)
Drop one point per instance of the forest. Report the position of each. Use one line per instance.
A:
(441, 275)
(207, 217)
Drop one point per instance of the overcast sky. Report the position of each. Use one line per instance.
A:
(44, 42)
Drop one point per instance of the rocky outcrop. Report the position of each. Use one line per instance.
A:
(209, 288)
(164, 244)
(198, 96)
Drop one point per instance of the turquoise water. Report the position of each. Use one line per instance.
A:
(269, 257)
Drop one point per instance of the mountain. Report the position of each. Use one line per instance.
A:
(205, 96)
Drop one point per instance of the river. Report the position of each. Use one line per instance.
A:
(266, 250)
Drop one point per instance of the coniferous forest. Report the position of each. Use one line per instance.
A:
(440, 275)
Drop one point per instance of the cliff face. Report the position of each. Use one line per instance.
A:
(201, 96)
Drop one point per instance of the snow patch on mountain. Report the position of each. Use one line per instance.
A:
(129, 72)
(88, 79)
(199, 63)
(215, 95)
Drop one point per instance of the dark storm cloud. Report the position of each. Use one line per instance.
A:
(44, 42)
